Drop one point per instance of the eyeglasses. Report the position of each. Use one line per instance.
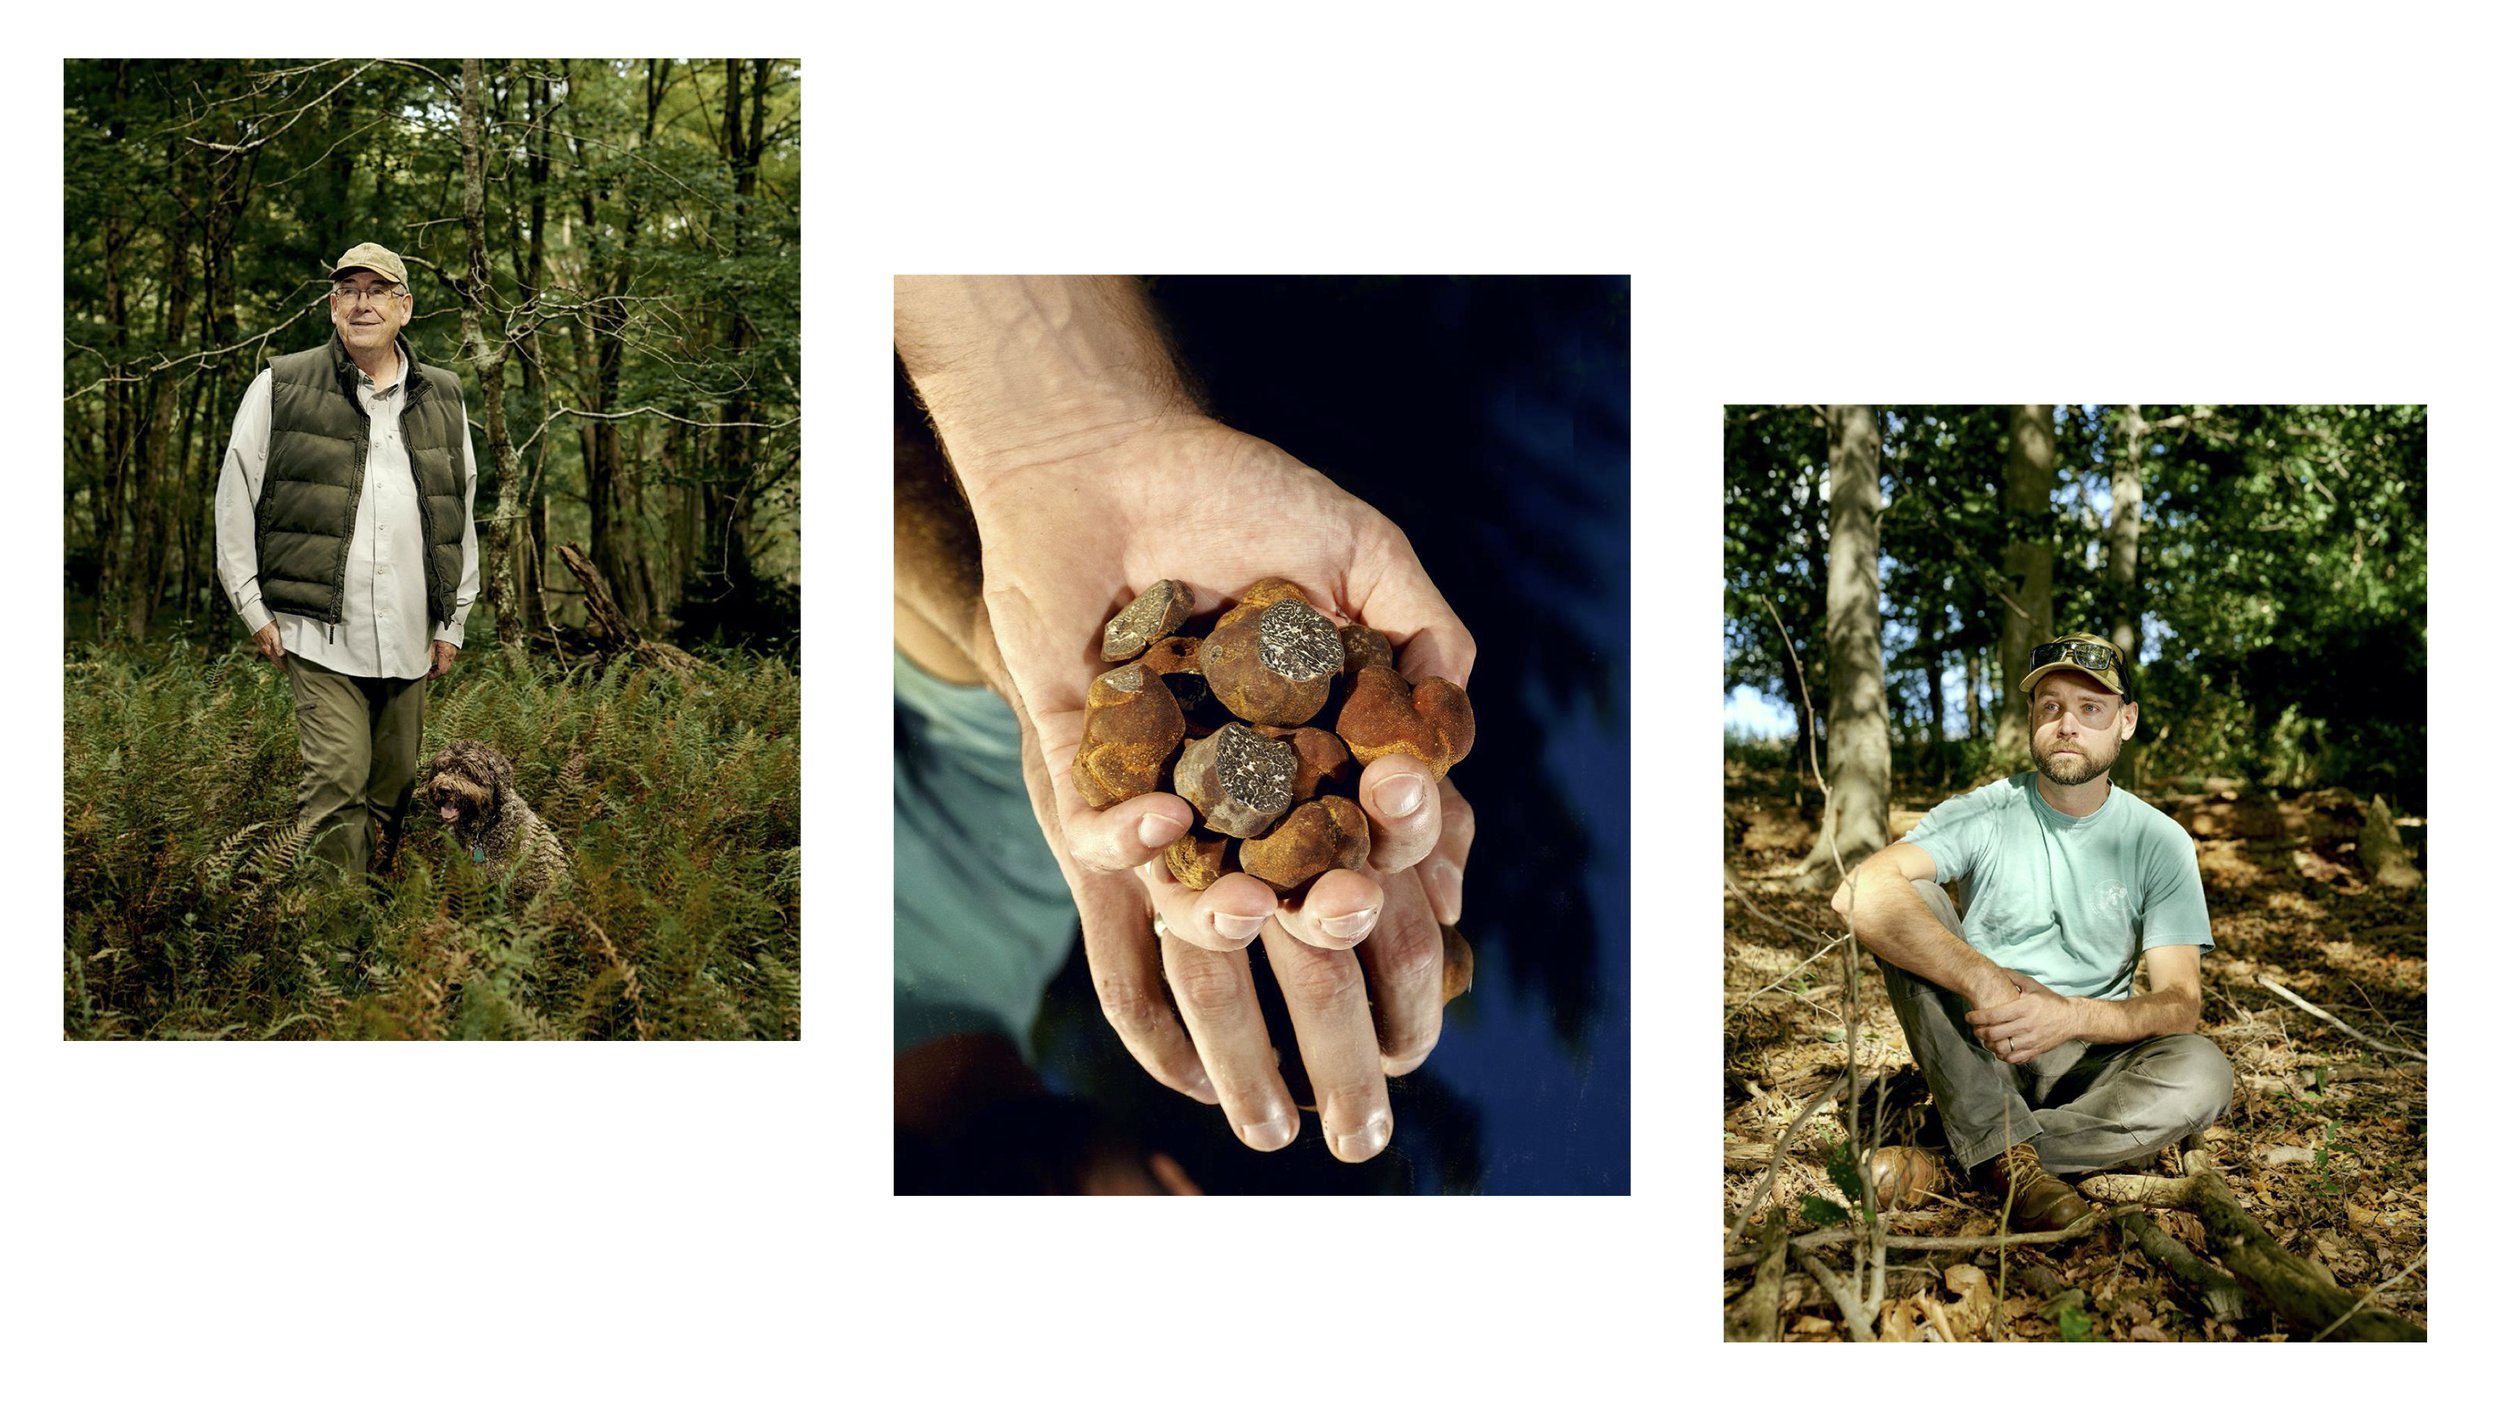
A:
(351, 295)
(2084, 654)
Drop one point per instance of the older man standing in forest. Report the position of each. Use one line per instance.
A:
(2043, 1061)
(345, 540)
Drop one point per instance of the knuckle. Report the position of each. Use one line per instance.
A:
(1328, 979)
(1209, 988)
(1406, 956)
(1135, 1010)
(1458, 820)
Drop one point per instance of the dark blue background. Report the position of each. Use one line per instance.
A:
(1489, 418)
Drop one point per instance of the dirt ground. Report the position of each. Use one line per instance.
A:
(2325, 1145)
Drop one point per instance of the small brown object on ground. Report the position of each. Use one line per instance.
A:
(1132, 723)
(1157, 611)
(1431, 722)
(1239, 781)
(1196, 859)
(1899, 1177)
(1328, 833)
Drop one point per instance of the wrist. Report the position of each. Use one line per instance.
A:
(1019, 371)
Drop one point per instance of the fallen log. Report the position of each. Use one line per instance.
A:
(2292, 1287)
(608, 622)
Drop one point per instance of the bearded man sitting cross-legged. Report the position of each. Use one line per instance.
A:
(2022, 1017)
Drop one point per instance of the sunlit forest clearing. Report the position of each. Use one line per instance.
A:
(2266, 567)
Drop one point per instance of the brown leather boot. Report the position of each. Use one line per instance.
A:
(2040, 1201)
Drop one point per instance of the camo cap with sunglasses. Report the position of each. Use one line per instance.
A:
(2085, 654)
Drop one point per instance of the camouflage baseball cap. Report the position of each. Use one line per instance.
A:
(374, 257)
(2089, 655)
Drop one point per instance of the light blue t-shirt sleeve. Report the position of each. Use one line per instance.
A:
(1960, 835)
(2174, 892)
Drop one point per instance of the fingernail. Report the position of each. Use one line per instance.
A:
(1158, 830)
(1233, 927)
(1364, 1142)
(1202, 1089)
(1400, 796)
(1270, 1135)
(1351, 926)
(1441, 883)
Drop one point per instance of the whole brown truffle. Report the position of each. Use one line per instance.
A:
(1157, 611)
(1364, 647)
(1132, 723)
(1432, 722)
(1271, 657)
(1319, 758)
(1328, 833)
(1239, 781)
(1197, 860)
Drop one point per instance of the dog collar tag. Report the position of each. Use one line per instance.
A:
(478, 854)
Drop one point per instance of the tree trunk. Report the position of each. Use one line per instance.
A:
(1859, 768)
(2126, 526)
(482, 334)
(1973, 672)
(2030, 471)
(143, 579)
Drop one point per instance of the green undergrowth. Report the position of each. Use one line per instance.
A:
(189, 915)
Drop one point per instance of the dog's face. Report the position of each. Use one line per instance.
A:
(465, 783)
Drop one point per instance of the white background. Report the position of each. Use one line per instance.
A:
(1862, 203)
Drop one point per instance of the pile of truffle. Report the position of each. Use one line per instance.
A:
(1260, 726)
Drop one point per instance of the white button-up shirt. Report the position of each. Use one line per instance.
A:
(382, 633)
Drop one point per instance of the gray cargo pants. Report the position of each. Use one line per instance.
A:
(2082, 1107)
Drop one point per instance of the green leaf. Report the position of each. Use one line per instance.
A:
(1842, 1164)
(1822, 1212)
(2075, 1326)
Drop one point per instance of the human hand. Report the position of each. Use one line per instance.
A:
(445, 653)
(2035, 1021)
(1067, 540)
(265, 639)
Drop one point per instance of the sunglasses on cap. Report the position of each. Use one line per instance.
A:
(2085, 655)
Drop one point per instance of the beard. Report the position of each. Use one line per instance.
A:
(2074, 768)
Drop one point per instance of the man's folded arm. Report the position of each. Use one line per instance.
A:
(1894, 923)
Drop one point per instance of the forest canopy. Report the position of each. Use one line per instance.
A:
(2267, 566)
(605, 251)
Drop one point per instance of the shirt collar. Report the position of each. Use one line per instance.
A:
(365, 382)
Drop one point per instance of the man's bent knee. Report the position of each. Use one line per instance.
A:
(1939, 903)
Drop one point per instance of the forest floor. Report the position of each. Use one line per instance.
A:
(2326, 1143)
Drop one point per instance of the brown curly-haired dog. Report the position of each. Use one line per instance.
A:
(469, 785)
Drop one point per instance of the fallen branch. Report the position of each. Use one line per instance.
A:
(2222, 1294)
(1939, 1244)
(1755, 1316)
(1861, 1325)
(2294, 997)
(2325, 1074)
(1779, 1149)
(2295, 1289)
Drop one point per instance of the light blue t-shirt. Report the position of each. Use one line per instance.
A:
(2068, 901)
(982, 917)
